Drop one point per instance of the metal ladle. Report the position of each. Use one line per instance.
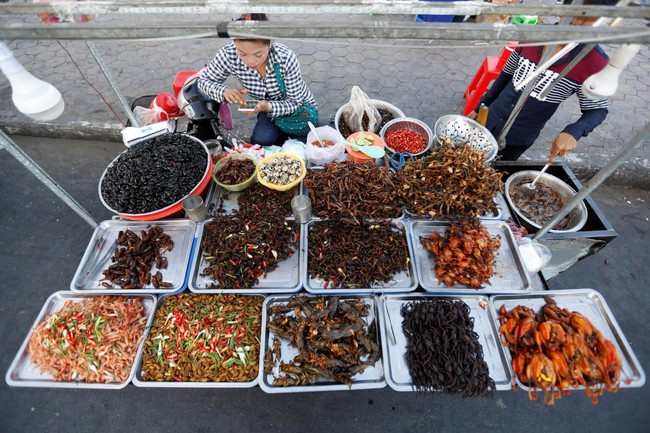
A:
(529, 188)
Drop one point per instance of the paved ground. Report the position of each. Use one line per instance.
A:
(42, 242)
(425, 80)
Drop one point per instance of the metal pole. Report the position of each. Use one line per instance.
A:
(401, 7)
(501, 139)
(384, 28)
(37, 171)
(107, 73)
(640, 138)
(564, 22)
(581, 55)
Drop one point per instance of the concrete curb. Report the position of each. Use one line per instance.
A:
(73, 130)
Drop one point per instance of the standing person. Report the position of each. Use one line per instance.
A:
(502, 96)
(258, 64)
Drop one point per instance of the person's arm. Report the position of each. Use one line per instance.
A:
(501, 81)
(295, 86)
(593, 114)
(211, 80)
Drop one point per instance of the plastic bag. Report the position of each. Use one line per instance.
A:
(255, 150)
(322, 155)
(294, 147)
(270, 150)
(64, 13)
(534, 255)
(358, 107)
(147, 116)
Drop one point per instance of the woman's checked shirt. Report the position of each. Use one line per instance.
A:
(227, 62)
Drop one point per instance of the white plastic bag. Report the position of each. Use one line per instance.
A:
(358, 107)
(294, 147)
(535, 255)
(322, 155)
(254, 150)
(147, 116)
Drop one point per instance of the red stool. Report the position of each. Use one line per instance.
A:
(488, 72)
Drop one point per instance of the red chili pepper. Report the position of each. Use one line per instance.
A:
(405, 140)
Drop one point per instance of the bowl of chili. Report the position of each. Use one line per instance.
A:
(407, 135)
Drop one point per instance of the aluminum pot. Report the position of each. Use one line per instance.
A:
(578, 216)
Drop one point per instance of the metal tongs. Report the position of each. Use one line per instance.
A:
(98, 260)
(528, 189)
(391, 331)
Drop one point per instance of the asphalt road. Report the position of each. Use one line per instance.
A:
(41, 244)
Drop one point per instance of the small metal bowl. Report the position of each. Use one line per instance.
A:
(578, 216)
(460, 130)
(412, 124)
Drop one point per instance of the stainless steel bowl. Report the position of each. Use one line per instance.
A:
(578, 216)
(412, 124)
(377, 103)
(460, 130)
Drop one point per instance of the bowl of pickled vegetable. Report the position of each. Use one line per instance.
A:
(363, 138)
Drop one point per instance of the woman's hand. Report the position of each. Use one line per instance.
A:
(234, 96)
(473, 115)
(562, 144)
(261, 107)
(264, 107)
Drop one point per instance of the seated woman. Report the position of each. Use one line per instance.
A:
(269, 73)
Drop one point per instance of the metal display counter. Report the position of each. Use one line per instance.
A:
(567, 248)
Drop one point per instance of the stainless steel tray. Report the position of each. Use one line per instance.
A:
(305, 191)
(101, 247)
(371, 378)
(592, 305)
(502, 212)
(23, 373)
(139, 382)
(230, 199)
(405, 281)
(510, 274)
(284, 279)
(394, 354)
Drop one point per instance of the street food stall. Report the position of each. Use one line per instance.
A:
(411, 270)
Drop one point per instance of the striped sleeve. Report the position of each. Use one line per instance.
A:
(211, 80)
(590, 104)
(505, 76)
(593, 114)
(511, 65)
